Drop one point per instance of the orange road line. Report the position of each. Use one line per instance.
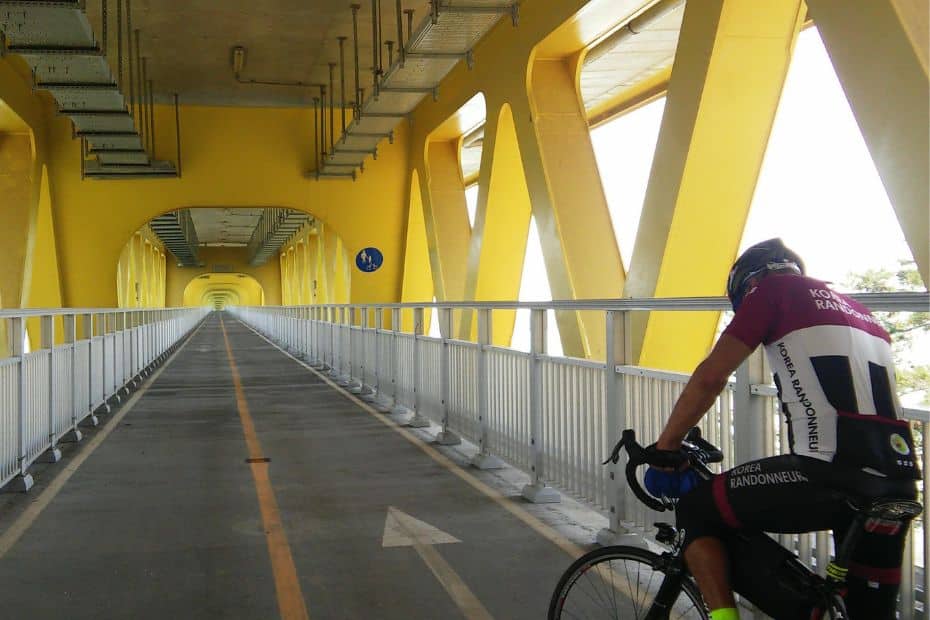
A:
(543, 529)
(291, 603)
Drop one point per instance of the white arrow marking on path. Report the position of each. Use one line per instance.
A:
(402, 530)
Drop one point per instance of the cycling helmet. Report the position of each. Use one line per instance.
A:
(771, 255)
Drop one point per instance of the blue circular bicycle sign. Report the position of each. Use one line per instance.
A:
(369, 259)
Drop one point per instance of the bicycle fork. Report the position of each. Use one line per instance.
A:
(668, 591)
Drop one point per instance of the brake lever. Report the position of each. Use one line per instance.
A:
(615, 454)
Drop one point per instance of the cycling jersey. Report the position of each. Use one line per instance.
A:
(834, 372)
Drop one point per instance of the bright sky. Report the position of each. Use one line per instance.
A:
(818, 189)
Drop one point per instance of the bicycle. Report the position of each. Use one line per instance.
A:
(637, 584)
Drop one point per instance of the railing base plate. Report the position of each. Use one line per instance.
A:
(607, 537)
(72, 436)
(540, 494)
(20, 484)
(448, 438)
(486, 461)
(382, 403)
(91, 420)
(400, 410)
(52, 455)
(417, 421)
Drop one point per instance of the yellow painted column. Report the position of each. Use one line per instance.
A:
(445, 214)
(325, 285)
(124, 271)
(304, 274)
(163, 273)
(417, 285)
(879, 50)
(731, 63)
(502, 220)
(16, 212)
(575, 230)
(342, 285)
(313, 253)
(138, 294)
(285, 283)
(45, 281)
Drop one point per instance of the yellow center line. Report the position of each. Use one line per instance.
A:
(291, 603)
(543, 529)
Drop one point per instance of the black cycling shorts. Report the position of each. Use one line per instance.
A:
(794, 494)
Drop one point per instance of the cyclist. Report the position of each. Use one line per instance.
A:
(833, 369)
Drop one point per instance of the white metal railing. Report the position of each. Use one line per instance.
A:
(555, 417)
(46, 393)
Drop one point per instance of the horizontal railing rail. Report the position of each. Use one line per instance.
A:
(48, 392)
(554, 417)
(902, 301)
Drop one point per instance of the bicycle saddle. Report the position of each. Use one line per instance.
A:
(893, 509)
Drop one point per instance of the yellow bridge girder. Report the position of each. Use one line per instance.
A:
(73, 242)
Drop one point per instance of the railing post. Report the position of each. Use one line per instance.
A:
(360, 388)
(484, 459)
(136, 358)
(445, 437)
(418, 420)
(303, 327)
(23, 481)
(103, 326)
(70, 338)
(398, 408)
(316, 349)
(47, 328)
(342, 377)
(111, 320)
(537, 491)
(123, 323)
(88, 327)
(748, 443)
(330, 313)
(379, 399)
(618, 353)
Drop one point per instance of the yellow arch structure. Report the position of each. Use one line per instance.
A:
(538, 159)
(231, 288)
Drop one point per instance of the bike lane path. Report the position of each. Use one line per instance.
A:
(338, 470)
(166, 518)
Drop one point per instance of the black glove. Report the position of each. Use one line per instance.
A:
(669, 459)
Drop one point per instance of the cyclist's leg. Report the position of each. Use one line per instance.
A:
(770, 494)
(875, 572)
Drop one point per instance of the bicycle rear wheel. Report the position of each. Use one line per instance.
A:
(619, 583)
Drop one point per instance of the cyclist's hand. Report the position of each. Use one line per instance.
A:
(669, 460)
(664, 483)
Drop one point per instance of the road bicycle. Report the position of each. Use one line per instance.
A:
(631, 583)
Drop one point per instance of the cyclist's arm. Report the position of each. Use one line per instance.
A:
(709, 378)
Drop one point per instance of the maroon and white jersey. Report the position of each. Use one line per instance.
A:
(834, 372)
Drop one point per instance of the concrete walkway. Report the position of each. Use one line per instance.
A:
(348, 518)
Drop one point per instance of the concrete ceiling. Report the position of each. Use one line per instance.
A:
(190, 43)
(621, 62)
(225, 227)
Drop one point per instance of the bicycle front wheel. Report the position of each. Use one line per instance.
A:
(620, 583)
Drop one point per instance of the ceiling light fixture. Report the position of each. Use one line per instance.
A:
(239, 54)
(238, 60)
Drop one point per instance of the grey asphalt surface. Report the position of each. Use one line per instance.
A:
(163, 520)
